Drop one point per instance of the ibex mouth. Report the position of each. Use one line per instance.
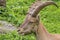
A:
(19, 32)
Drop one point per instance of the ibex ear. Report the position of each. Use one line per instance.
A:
(38, 17)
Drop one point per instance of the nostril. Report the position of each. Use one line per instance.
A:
(18, 30)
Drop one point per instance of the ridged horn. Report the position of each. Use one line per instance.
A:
(38, 6)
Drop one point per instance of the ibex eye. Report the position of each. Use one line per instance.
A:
(31, 22)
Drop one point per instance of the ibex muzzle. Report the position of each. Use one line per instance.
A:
(32, 21)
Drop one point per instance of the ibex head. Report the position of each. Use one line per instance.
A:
(31, 22)
(29, 25)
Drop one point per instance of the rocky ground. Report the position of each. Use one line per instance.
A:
(6, 27)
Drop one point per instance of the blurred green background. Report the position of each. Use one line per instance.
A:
(16, 11)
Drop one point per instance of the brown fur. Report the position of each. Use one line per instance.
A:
(3, 3)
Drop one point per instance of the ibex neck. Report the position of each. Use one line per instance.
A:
(41, 33)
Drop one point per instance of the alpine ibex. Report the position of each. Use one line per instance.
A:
(3, 3)
(33, 24)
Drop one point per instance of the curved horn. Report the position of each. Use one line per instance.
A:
(38, 6)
